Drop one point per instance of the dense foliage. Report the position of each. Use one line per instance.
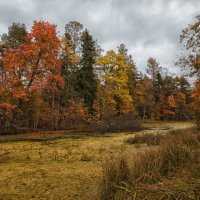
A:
(53, 82)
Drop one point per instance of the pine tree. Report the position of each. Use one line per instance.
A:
(86, 83)
(70, 61)
(154, 72)
(15, 36)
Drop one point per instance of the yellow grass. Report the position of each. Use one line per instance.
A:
(61, 165)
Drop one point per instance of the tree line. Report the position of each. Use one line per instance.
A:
(59, 82)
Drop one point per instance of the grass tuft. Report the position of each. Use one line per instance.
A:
(169, 172)
(149, 139)
(86, 158)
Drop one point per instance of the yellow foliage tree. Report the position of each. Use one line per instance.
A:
(115, 81)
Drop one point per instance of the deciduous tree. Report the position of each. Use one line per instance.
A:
(115, 80)
(190, 38)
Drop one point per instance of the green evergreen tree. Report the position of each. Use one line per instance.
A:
(86, 83)
(68, 69)
(15, 36)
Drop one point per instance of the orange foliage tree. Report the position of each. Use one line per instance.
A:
(171, 107)
(195, 105)
(35, 61)
(33, 66)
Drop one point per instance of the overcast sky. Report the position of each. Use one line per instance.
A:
(149, 28)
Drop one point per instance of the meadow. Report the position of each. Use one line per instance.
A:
(66, 165)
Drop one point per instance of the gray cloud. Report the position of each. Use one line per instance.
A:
(149, 28)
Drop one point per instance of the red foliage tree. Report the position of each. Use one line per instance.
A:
(34, 62)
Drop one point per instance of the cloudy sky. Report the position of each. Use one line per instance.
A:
(149, 28)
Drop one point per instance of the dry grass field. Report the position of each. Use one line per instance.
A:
(63, 165)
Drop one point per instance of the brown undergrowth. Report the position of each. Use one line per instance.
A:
(171, 171)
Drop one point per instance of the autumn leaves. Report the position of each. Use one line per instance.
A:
(50, 82)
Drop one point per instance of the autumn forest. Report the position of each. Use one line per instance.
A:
(51, 82)
(99, 100)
